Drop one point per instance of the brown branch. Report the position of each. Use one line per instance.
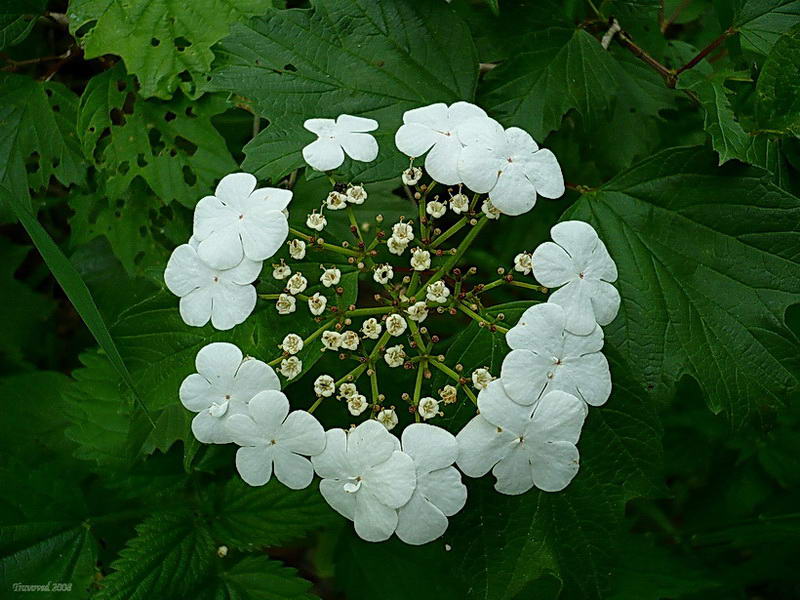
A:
(707, 50)
(670, 78)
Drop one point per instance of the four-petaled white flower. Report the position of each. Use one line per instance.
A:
(317, 304)
(577, 260)
(507, 164)
(403, 232)
(432, 129)
(439, 492)
(396, 246)
(222, 387)
(366, 478)
(335, 137)
(240, 221)
(546, 357)
(524, 446)
(291, 367)
(272, 438)
(223, 296)
(523, 263)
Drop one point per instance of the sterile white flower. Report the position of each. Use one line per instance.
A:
(403, 232)
(324, 386)
(439, 492)
(436, 209)
(438, 292)
(347, 390)
(546, 357)
(356, 194)
(396, 325)
(507, 164)
(481, 378)
(428, 407)
(297, 249)
(222, 387)
(411, 176)
(331, 340)
(292, 343)
(281, 271)
(336, 200)
(316, 221)
(291, 367)
(330, 277)
(371, 328)
(383, 273)
(317, 304)
(350, 340)
(396, 246)
(335, 137)
(418, 312)
(366, 478)
(297, 283)
(388, 418)
(432, 129)
(578, 261)
(240, 221)
(286, 304)
(490, 210)
(225, 297)
(524, 446)
(523, 263)
(395, 356)
(273, 438)
(357, 404)
(420, 259)
(459, 203)
(449, 394)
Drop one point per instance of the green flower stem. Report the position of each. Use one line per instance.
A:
(493, 284)
(373, 383)
(374, 310)
(417, 337)
(454, 376)
(353, 223)
(307, 340)
(527, 286)
(359, 370)
(475, 316)
(418, 388)
(269, 296)
(450, 232)
(422, 227)
(325, 245)
(314, 406)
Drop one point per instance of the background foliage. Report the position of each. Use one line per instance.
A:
(679, 143)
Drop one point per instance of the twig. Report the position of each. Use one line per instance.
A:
(706, 51)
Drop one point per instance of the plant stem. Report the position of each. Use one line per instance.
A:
(454, 376)
(475, 316)
(707, 50)
(451, 231)
(325, 245)
(376, 310)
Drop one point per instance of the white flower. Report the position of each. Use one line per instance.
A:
(403, 232)
(316, 221)
(481, 378)
(345, 134)
(523, 263)
(437, 292)
(297, 249)
(420, 259)
(524, 446)
(433, 128)
(297, 283)
(396, 246)
(449, 394)
(357, 404)
(436, 209)
(240, 221)
(291, 367)
(292, 343)
(428, 407)
(336, 201)
(330, 277)
(366, 478)
(383, 273)
(356, 194)
(388, 418)
(508, 165)
(459, 203)
(350, 340)
(223, 385)
(418, 312)
(545, 357)
(324, 386)
(439, 492)
(317, 304)
(395, 324)
(347, 390)
(331, 340)
(281, 271)
(395, 356)
(272, 437)
(411, 176)
(285, 304)
(371, 328)
(490, 210)
(223, 296)
(578, 262)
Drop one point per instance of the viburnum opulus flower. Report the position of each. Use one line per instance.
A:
(335, 137)
(222, 387)
(577, 263)
(240, 221)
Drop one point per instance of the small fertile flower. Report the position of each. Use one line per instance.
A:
(490, 210)
(439, 492)
(524, 446)
(428, 408)
(366, 478)
(371, 328)
(225, 297)
(272, 438)
(411, 176)
(546, 357)
(577, 263)
(448, 394)
(331, 340)
(507, 164)
(436, 209)
(281, 271)
(403, 232)
(297, 249)
(357, 404)
(345, 134)
(291, 367)
(432, 129)
(347, 390)
(383, 274)
(481, 378)
(396, 246)
(297, 284)
(316, 221)
(459, 204)
(350, 340)
(356, 194)
(240, 221)
(330, 277)
(396, 325)
(438, 292)
(417, 312)
(388, 418)
(336, 201)
(324, 386)
(523, 263)
(395, 356)
(286, 304)
(292, 343)
(420, 259)
(317, 304)
(223, 386)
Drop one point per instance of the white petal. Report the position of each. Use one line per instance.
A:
(481, 446)
(554, 465)
(513, 473)
(356, 124)
(254, 465)
(263, 232)
(222, 249)
(185, 271)
(333, 461)
(513, 194)
(196, 307)
(600, 265)
(302, 433)
(478, 167)
(273, 198)
(420, 522)
(483, 131)
(414, 139)
(323, 154)
(545, 173)
(431, 447)
(320, 126)
(552, 266)
(196, 393)
(442, 161)
(340, 501)
(292, 470)
(392, 481)
(432, 116)
(524, 375)
(254, 376)
(269, 409)
(539, 329)
(575, 299)
(370, 444)
(235, 187)
(210, 430)
(444, 489)
(374, 521)
(232, 304)
(605, 301)
(211, 214)
(591, 378)
(243, 430)
(500, 410)
(578, 345)
(245, 272)
(577, 238)
(359, 146)
(558, 417)
(461, 112)
(218, 362)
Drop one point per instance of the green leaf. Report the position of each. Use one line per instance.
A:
(255, 578)
(367, 59)
(165, 44)
(17, 18)
(761, 22)
(708, 264)
(778, 86)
